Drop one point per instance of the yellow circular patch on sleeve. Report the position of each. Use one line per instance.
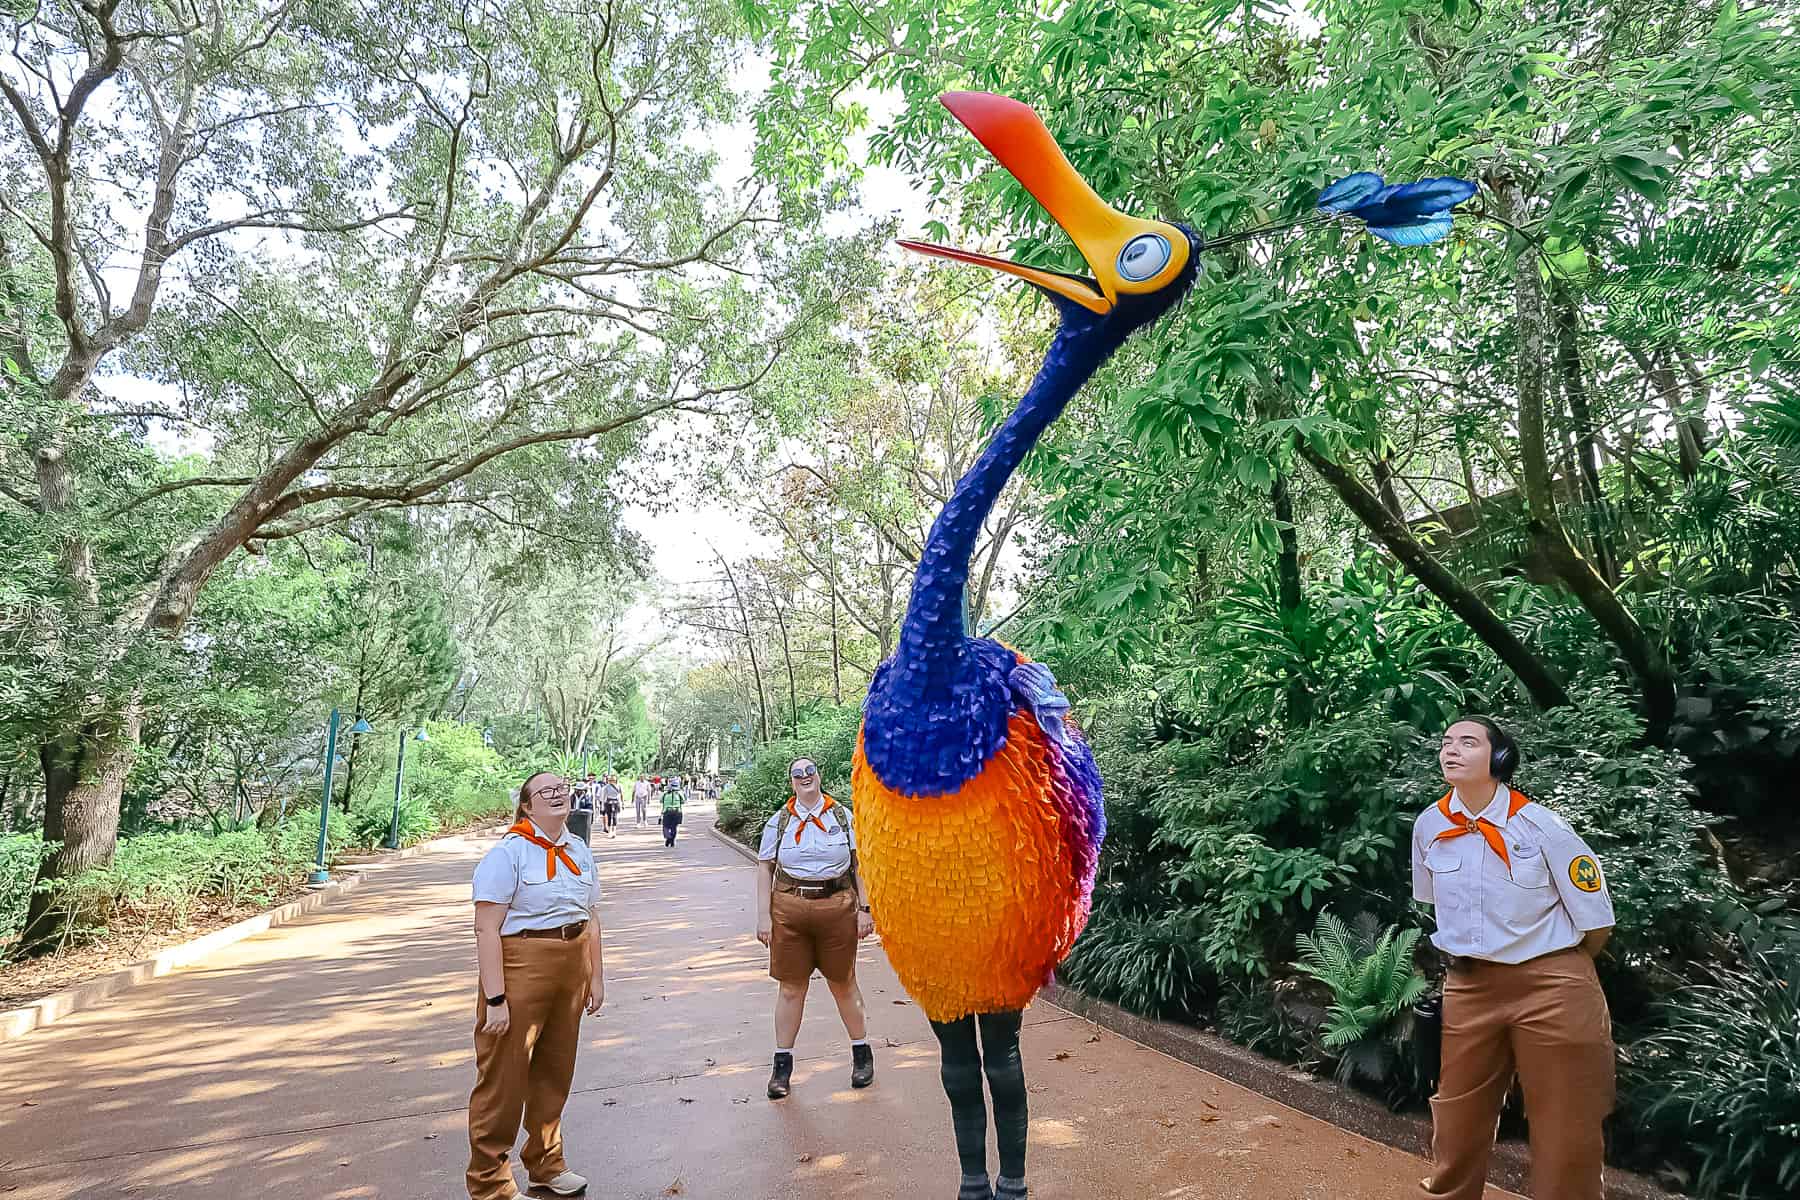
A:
(1584, 873)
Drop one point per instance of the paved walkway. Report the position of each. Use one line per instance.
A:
(331, 1059)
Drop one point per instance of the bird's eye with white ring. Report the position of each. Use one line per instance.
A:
(1144, 256)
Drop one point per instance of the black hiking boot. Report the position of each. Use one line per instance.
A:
(975, 1187)
(781, 1079)
(862, 1066)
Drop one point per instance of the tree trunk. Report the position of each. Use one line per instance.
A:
(1587, 448)
(84, 775)
(837, 656)
(1384, 485)
(1540, 682)
(1469, 485)
(1547, 532)
(762, 702)
(1290, 594)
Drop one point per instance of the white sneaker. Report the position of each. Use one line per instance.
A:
(566, 1184)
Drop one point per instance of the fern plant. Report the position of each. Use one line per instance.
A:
(1373, 987)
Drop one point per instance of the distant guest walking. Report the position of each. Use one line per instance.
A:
(810, 913)
(537, 942)
(1522, 911)
(610, 796)
(672, 800)
(640, 798)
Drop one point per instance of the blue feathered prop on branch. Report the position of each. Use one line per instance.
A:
(1406, 214)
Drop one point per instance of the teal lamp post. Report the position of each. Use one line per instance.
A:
(321, 874)
(393, 837)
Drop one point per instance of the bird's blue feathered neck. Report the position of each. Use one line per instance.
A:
(932, 634)
(937, 710)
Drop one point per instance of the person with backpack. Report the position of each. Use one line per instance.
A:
(672, 800)
(811, 913)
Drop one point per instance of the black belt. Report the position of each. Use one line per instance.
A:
(562, 933)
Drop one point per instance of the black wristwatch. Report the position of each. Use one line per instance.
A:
(496, 1001)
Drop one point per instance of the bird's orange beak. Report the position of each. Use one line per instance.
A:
(1128, 255)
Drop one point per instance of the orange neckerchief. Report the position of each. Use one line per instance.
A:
(814, 819)
(1460, 824)
(552, 851)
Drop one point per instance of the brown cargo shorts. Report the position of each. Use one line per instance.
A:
(807, 935)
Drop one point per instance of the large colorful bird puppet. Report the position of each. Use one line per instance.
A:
(978, 813)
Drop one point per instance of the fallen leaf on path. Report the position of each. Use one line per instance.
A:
(1166, 1122)
(343, 1162)
(803, 1158)
(712, 1062)
(685, 1099)
(431, 1137)
(902, 1003)
(678, 1188)
(29, 1104)
(1210, 1104)
(1061, 1056)
(393, 1059)
(741, 1100)
(1207, 1118)
(1267, 1120)
(608, 1102)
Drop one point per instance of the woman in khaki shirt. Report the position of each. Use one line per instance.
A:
(537, 940)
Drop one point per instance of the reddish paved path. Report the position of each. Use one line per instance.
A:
(331, 1059)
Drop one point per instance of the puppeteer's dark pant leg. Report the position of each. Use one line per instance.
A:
(1006, 1080)
(961, 1069)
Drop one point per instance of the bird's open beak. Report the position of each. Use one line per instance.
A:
(1129, 256)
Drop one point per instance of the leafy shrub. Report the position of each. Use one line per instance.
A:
(1251, 1014)
(1147, 962)
(1373, 987)
(20, 856)
(369, 825)
(1725, 1060)
(444, 771)
(827, 735)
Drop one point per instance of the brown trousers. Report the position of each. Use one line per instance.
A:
(527, 1070)
(1545, 1020)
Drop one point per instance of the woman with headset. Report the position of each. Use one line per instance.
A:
(1522, 911)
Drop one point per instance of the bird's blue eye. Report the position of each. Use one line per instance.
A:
(1143, 256)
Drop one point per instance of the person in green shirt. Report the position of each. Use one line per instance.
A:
(672, 800)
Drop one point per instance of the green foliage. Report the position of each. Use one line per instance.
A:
(20, 854)
(1725, 1059)
(827, 736)
(1373, 986)
(369, 824)
(1148, 962)
(458, 777)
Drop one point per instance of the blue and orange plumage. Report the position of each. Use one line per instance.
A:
(978, 807)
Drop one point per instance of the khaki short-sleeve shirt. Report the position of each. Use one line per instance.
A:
(1553, 892)
(515, 873)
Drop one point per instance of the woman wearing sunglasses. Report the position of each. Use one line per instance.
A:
(811, 912)
(537, 945)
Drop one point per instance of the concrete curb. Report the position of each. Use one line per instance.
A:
(16, 1023)
(742, 849)
(1339, 1106)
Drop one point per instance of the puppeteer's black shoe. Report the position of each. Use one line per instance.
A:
(782, 1078)
(862, 1066)
(975, 1187)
